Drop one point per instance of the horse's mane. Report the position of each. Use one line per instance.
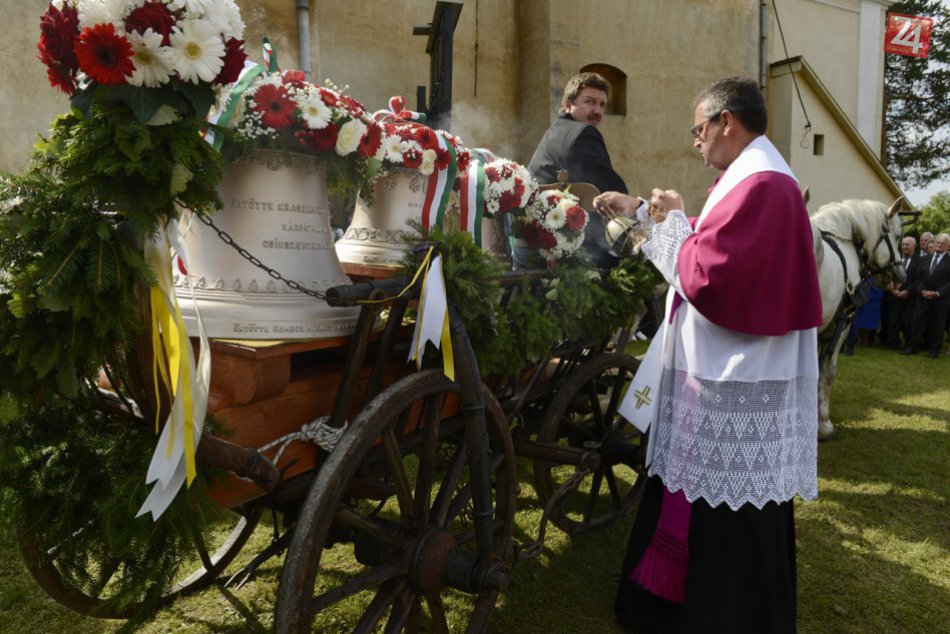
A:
(861, 217)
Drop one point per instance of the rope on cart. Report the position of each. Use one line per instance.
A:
(317, 431)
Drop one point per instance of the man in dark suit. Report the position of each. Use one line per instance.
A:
(934, 304)
(574, 143)
(899, 303)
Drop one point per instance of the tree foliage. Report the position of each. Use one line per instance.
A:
(916, 98)
(935, 215)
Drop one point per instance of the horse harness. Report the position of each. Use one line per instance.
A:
(855, 296)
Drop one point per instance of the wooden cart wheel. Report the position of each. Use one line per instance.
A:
(214, 549)
(584, 415)
(397, 488)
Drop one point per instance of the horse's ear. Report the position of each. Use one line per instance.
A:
(806, 194)
(896, 207)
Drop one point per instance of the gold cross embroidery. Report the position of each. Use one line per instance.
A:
(643, 397)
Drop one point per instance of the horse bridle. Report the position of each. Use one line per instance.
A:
(891, 251)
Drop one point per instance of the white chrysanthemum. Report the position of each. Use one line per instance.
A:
(235, 21)
(194, 7)
(349, 138)
(555, 219)
(197, 51)
(92, 12)
(315, 113)
(428, 162)
(394, 147)
(226, 19)
(493, 207)
(152, 60)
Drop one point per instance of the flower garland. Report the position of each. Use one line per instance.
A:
(147, 53)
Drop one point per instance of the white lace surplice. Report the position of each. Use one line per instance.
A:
(738, 413)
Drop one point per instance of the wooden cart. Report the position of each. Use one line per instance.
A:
(419, 489)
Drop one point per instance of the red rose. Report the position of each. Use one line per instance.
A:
(511, 199)
(323, 140)
(151, 15)
(234, 58)
(371, 141)
(538, 237)
(275, 106)
(576, 218)
(103, 55)
(491, 173)
(56, 46)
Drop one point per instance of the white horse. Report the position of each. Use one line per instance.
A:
(852, 239)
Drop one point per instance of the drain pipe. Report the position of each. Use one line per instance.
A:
(303, 35)
(763, 43)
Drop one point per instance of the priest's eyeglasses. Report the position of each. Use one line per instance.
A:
(700, 129)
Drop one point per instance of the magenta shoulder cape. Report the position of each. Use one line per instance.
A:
(751, 266)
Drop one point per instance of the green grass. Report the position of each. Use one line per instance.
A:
(873, 549)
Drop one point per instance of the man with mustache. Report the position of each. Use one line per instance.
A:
(574, 143)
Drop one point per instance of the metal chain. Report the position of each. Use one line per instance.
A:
(250, 257)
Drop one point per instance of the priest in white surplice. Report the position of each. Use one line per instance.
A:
(734, 370)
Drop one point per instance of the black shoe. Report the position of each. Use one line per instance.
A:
(910, 350)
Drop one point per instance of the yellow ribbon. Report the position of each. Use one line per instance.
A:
(169, 342)
(445, 339)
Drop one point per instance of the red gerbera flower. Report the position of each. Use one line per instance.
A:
(103, 55)
(576, 218)
(234, 57)
(442, 158)
(462, 159)
(511, 199)
(352, 105)
(426, 137)
(151, 15)
(330, 98)
(57, 38)
(411, 158)
(538, 237)
(295, 78)
(275, 106)
(371, 141)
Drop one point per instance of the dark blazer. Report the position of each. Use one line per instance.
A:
(938, 280)
(579, 148)
(912, 280)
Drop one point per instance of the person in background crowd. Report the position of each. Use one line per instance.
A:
(713, 544)
(898, 302)
(574, 143)
(933, 287)
(925, 239)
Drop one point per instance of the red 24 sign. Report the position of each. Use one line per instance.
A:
(907, 35)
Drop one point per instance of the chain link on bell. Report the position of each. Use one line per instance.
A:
(250, 257)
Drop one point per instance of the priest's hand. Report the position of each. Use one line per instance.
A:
(664, 201)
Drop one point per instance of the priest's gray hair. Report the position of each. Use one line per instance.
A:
(740, 96)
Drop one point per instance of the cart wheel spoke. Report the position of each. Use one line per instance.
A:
(370, 579)
(464, 495)
(593, 495)
(443, 499)
(399, 615)
(385, 597)
(593, 401)
(612, 486)
(440, 623)
(400, 477)
(427, 457)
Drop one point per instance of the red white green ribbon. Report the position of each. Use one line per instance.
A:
(472, 199)
(440, 188)
(397, 112)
